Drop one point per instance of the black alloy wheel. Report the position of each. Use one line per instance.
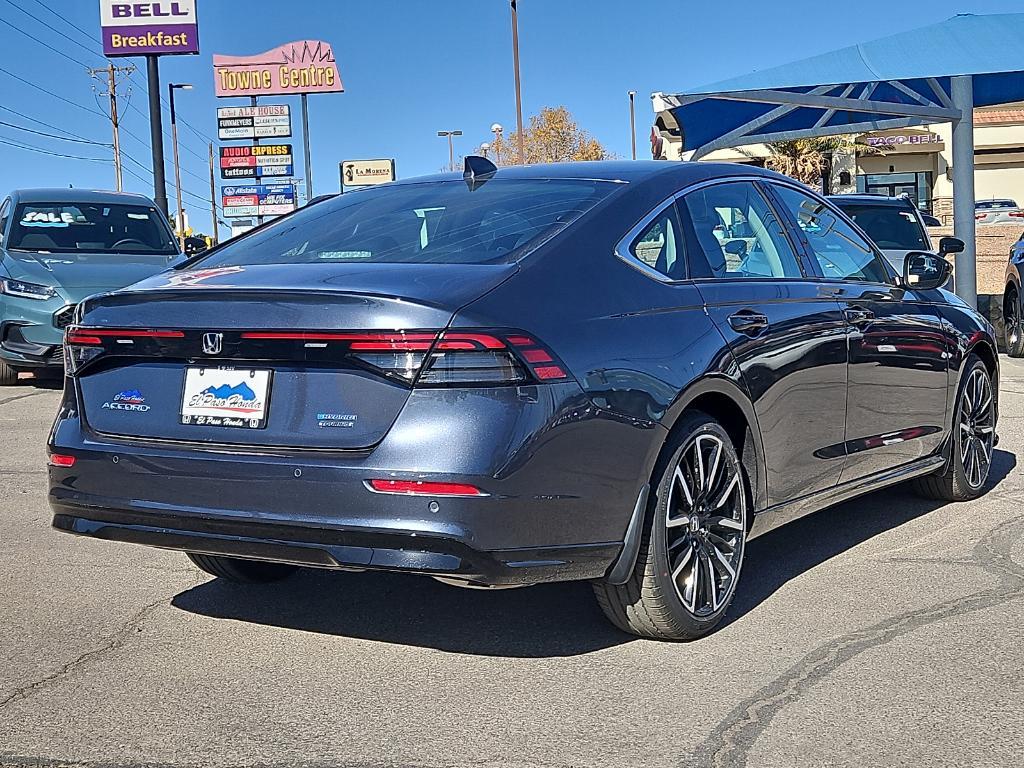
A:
(692, 551)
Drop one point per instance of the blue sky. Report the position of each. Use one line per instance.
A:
(411, 68)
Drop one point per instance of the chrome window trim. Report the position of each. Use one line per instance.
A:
(624, 251)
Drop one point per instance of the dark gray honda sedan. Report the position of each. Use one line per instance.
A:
(616, 372)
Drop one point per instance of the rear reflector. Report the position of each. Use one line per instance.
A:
(420, 488)
(60, 460)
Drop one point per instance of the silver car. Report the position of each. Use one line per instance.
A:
(998, 211)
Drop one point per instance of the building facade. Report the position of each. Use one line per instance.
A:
(912, 161)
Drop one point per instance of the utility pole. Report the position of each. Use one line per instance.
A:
(521, 140)
(213, 198)
(111, 73)
(156, 132)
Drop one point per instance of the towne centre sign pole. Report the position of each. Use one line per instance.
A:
(152, 29)
(299, 68)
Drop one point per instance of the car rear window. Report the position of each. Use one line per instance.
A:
(983, 205)
(890, 227)
(54, 227)
(443, 222)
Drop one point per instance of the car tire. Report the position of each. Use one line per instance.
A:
(1013, 325)
(692, 548)
(970, 459)
(8, 376)
(242, 571)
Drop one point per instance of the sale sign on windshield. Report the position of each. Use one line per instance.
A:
(161, 28)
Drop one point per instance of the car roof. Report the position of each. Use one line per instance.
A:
(880, 200)
(613, 170)
(65, 195)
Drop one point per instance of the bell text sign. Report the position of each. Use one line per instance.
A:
(305, 66)
(161, 28)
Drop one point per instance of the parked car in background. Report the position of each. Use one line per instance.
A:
(58, 246)
(998, 211)
(896, 226)
(1013, 298)
(614, 372)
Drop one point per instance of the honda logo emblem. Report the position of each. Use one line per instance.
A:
(213, 343)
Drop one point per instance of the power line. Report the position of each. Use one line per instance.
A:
(53, 135)
(90, 110)
(30, 148)
(54, 29)
(45, 124)
(59, 52)
(63, 19)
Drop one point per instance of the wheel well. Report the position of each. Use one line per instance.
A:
(727, 412)
(1010, 294)
(988, 357)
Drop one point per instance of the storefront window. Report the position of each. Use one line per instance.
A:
(918, 186)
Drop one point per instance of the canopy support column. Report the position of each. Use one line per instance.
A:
(962, 96)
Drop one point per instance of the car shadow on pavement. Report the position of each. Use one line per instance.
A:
(777, 557)
(548, 620)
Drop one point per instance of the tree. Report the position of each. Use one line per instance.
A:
(808, 160)
(551, 137)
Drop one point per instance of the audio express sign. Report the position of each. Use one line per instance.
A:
(271, 121)
(258, 200)
(256, 161)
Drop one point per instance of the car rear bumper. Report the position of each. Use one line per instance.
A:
(347, 549)
(560, 480)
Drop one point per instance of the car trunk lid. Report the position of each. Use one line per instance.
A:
(311, 357)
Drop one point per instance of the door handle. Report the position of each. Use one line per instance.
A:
(859, 315)
(748, 322)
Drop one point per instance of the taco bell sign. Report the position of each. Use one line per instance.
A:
(161, 28)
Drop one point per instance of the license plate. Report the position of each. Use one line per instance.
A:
(225, 397)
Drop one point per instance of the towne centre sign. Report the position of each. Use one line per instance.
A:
(305, 66)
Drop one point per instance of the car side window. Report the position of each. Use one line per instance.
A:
(659, 245)
(841, 253)
(735, 233)
(5, 210)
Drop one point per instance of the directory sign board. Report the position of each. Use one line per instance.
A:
(252, 161)
(269, 121)
(257, 200)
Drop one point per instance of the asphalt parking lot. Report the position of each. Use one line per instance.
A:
(887, 631)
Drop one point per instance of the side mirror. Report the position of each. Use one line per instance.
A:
(930, 221)
(924, 271)
(950, 245)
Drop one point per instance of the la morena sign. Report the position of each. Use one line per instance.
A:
(304, 66)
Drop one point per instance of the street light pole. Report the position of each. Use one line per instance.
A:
(520, 139)
(451, 146)
(632, 121)
(496, 129)
(171, 87)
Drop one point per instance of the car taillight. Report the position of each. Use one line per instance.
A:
(84, 344)
(60, 460)
(461, 358)
(1017, 214)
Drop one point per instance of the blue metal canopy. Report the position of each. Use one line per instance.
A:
(934, 74)
(894, 82)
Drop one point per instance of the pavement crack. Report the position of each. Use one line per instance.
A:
(730, 742)
(22, 397)
(115, 642)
